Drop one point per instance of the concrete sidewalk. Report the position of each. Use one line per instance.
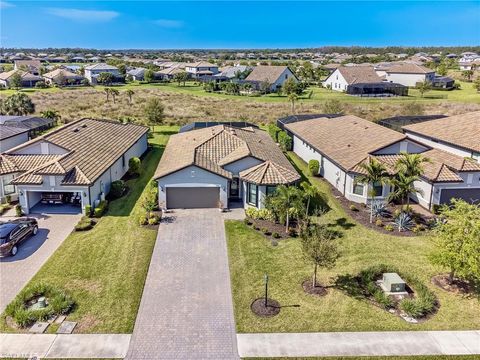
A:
(389, 343)
(51, 346)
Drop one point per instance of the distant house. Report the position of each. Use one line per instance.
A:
(92, 71)
(275, 76)
(27, 79)
(11, 136)
(409, 74)
(443, 82)
(31, 66)
(62, 77)
(471, 64)
(137, 74)
(201, 68)
(231, 72)
(33, 124)
(168, 73)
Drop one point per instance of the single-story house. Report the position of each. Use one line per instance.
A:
(34, 124)
(409, 74)
(275, 76)
(75, 163)
(31, 66)
(214, 166)
(92, 71)
(443, 82)
(231, 72)
(137, 74)
(11, 136)
(341, 144)
(472, 63)
(200, 69)
(168, 73)
(458, 134)
(27, 79)
(62, 77)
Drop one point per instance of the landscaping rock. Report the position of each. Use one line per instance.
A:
(66, 327)
(39, 327)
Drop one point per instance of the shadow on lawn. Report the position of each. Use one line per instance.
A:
(349, 284)
(343, 223)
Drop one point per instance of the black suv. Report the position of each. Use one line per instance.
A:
(12, 233)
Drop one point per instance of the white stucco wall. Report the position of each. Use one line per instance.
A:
(364, 198)
(192, 176)
(440, 145)
(409, 79)
(13, 141)
(336, 81)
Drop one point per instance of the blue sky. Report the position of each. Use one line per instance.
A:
(237, 24)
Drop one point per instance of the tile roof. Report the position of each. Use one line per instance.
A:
(200, 64)
(10, 131)
(100, 66)
(461, 130)
(62, 72)
(346, 140)
(408, 68)
(23, 162)
(266, 73)
(213, 147)
(91, 147)
(269, 173)
(23, 74)
(28, 63)
(359, 74)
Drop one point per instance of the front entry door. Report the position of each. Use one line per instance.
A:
(235, 188)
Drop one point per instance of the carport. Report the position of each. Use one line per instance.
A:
(471, 195)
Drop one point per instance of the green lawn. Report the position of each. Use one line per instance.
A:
(251, 256)
(104, 269)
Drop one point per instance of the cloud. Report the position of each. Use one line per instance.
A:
(83, 15)
(4, 5)
(169, 24)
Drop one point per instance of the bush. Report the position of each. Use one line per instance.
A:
(333, 106)
(417, 228)
(134, 166)
(379, 222)
(153, 221)
(276, 235)
(101, 209)
(292, 232)
(265, 231)
(143, 219)
(285, 141)
(41, 85)
(84, 224)
(273, 130)
(117, 189)
(389, 227)
(8, 199)
(353, 208)
(59, 303)
(313, 167)
(247, 221)
(18, 210)
(88, 210)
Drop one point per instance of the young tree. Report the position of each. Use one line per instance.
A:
(423, 87)
(309, 192)
(154, 112)
(467, 75)
(293, 98)
(375, 173)
(114, 93)
(105, 78)
(290, 86)
(149, 75)
(476, 84)
(181, 78)
(130, 93)
(457, 241)
(287, 203)
(16, 81)
(319, 247)
(403, 186)
(18, 104)
(333, 106)
(107, 93)
(265, 87)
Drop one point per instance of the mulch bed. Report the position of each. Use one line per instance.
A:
(272, 228)
(317, 290)
(458, 286)
(258, 307)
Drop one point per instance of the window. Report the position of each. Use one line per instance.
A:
(271, 190)
(357, 188)
(252, 191)
(123, 160)
(8, 189)
(476, 156)
(378, 188)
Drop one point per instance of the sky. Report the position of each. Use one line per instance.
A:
(237, 24)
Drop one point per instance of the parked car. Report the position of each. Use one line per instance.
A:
(12, 233)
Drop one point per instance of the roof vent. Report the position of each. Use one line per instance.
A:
(76, 130)
(84, 126)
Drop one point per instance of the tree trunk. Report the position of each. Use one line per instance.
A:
(287, 222)
(451, 276)
(371, 210)
(308, 206)
(315, 276)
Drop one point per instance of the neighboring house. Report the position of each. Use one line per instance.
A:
(275, 76)
(34, 124)
(341, 144)
(362, 81)
(78, 161)
(200, 69)
(409, 74)
(213, 166)
(92, 71)
(471, 64)
(31, 66)
(137, 74)
(443, 82)
(458, 134)
(168, 73)
(231, 72)
(62, 77)
(27, 79)
(11, 136)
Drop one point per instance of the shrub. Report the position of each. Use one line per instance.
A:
(397, 213)
(117, 189)
(333, 106)
(273, 130)
(403, 222)
(265, 231)
(313, 167)
(58, 303)
(18, 210)
(353, 208)
(247, 221)
(8, 199)
(256, 227)
(84, 224)
(417, 228)
(153, 221)
(101, 209)
(379, 209)
(382, 299)
(276, 235)
(285, 141)
(134, 166)
(88, 210)
(41, 85)
(143, 219)
(292, 232)
(379, 222)
(251, 212)
(389, 227)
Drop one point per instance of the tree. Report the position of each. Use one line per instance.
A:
(107, 92)
(319, 247)
(290, 86)
(114, 93)
(375, 173)
(457, 241)
(293, 98)
(442, 69)
(149, 75)
(309, 192)
(105, 78)
(18, 104)
(16, 81)
(51, 114)
(403, 186)
(467, 75)
(287, 203)
(129, 93)
(423, 87)
(476, 84)
(333, 106)
(181, 78)
(154, 112)
(265, 87)
(411, 164)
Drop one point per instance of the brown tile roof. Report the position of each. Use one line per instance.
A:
(28, 63)
(346, 140)
(91, 147)
(461, 130)
(62, 72)
(21, 162)
(23, 74)
(266, 73)
(409, 68)
(269, 173)
(213, 147)
(200, 64)
(359, 74)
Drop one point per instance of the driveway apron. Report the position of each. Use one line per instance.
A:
(186, 310)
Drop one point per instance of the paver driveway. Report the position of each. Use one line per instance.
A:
(16, 271)
(186, 310)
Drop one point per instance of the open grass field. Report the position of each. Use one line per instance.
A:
(251, 256)
(192, 103)
(104, 269)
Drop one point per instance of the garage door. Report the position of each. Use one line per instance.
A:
(192, 197)
(469, 195)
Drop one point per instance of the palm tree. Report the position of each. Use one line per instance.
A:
(403, 186)
(288, 203)
(107, 92)
(411, 164)
(51, 114)
(293, 97)
(129, 93)
(309, 192)
(17, 104)
(375, 173)
(114, 93)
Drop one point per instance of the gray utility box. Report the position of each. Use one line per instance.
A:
(393, 283)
